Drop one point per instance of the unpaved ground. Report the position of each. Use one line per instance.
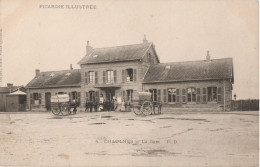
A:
(124, 139)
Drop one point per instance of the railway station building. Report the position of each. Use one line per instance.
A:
(120, 71)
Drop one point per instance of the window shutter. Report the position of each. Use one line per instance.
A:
(115, 76)
(183, 95)
(96, 77)
(104, 76)
(135, 75)
(40, 98)
(86, 77)
(177, 95)
(87, 96)
(70, 96)
(97, 96)
(159, 95)
(219, 95)
(123, 94)
(204, 95)
(198, 95)
(164, 96)
(31, 98)
(78, 97)
(123, 76)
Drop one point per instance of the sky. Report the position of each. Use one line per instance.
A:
(51, 39)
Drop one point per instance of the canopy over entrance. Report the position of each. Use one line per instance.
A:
(107, 86)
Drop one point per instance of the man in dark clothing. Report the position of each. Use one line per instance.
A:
(87, 106)
(91, 106)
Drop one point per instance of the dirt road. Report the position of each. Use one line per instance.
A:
(124, 139)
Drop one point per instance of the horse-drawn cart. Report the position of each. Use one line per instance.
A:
(60, 105)
(144, 105)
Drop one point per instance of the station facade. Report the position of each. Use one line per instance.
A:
(121, 71)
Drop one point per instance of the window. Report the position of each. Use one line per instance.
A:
(191, 94)
(129, 75)
(154, 94)
(171, 95)
(129, 94)
(91, 77)
(212, 94)
(110, 76)
(36, 98)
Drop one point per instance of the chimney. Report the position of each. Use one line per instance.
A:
(89, 49)
(37, 72)
(208, 57)
(71, 68)
(10, 87)
(145, 40)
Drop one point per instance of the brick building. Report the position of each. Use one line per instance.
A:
(45, 84)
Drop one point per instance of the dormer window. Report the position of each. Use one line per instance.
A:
(52, 74)
(68, 74)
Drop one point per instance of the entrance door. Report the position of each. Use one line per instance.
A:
(110, 93)
(48, 101)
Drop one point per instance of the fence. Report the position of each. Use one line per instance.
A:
(245, 105)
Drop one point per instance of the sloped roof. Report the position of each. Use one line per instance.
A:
(18, 92)
(191, 70)
(6, 89)
(56, 79)
(117, 53)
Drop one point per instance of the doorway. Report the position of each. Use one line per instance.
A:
(110, 92)
(48, 101)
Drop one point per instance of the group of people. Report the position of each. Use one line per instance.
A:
(94, 106)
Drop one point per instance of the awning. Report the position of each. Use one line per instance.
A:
(107, 86)
(18, 92)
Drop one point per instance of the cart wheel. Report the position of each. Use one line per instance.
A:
(137, 110)
(55, 111)
(65, 110)
(146, 108)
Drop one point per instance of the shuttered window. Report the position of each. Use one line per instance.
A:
(198, 95)
(219, 94)
(183, 95)
(204, 94)
(159, 95)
